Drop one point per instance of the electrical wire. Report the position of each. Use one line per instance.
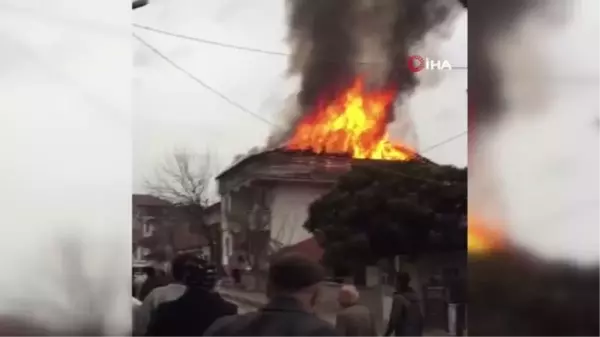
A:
(447, 140)
(202, 83)
(232, 46)
(210, 42)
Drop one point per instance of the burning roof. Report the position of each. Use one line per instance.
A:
(355, 123)
(283, 153)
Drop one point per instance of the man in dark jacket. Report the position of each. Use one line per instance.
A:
(292, 290)
(406, 318)
(199, 307)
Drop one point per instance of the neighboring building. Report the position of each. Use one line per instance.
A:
(148, 213)
(158, 233)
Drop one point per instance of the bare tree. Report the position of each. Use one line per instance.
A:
(183, 180)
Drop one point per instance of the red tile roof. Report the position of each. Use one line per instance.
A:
(309, 247)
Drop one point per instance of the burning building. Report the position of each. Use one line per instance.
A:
(266, 196)
(352, 57)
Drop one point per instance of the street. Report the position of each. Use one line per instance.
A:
(245, 306)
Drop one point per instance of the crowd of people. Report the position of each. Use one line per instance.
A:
(189, 305)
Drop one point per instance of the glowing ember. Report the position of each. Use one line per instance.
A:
(354, 123)
(481, 238)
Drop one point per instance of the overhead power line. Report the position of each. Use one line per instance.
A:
(232, 46)
(202, 83)
(210, 42)
(444, 142)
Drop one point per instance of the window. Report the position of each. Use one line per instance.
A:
(148, 228)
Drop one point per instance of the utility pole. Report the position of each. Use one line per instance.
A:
(139, 3)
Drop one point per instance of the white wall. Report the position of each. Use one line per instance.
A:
(289, 210)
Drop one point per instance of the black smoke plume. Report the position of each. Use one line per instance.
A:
(414, 19)
(326, 26)
(324, 38)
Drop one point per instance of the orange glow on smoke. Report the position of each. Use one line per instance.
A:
(355, 123)
(482, 238)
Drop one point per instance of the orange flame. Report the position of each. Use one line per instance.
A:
(354, 123)
(482, 238)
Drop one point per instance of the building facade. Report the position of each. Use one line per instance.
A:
(148, 212)
(159, 232)
(265, 201)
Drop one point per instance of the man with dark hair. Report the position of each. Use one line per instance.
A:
(170, 292)
(199, 307)
(406, 318)
(293, 287)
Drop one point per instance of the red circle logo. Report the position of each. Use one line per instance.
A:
(416, 63)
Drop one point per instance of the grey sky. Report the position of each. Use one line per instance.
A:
(171, 110)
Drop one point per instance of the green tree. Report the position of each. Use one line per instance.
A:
(383, 209)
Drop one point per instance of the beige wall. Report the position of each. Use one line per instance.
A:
(289, 211)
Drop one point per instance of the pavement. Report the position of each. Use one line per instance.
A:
(249, 301)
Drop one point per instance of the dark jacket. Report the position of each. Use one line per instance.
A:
(282, 316)
(457, 291)
(355, 320)
(189, 315)
(406, 318)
